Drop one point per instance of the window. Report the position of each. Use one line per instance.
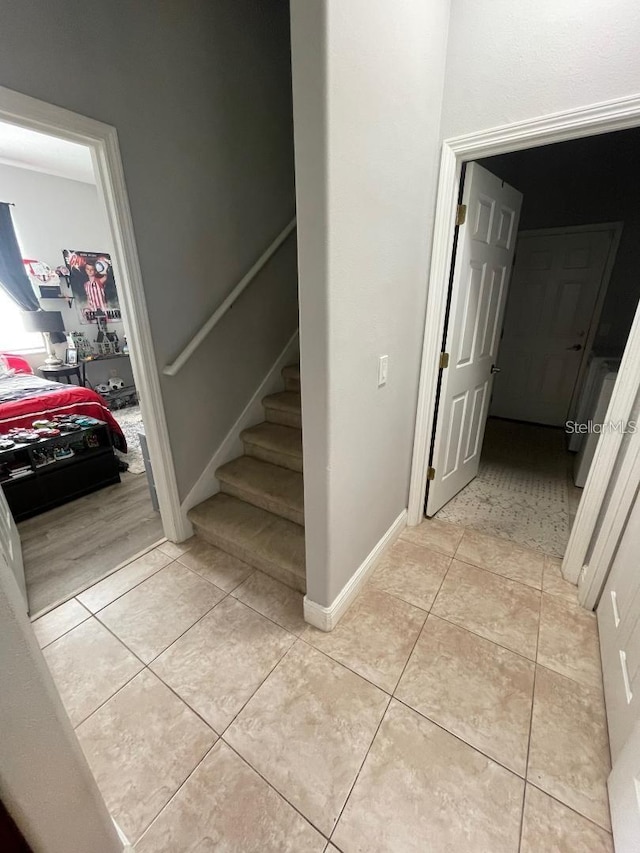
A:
(13, 337)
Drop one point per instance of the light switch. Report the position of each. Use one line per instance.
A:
(383, 369)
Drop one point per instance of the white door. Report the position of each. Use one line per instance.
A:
(619, 626)
(482, 266)
(10, 545)
(624, 796)
(552, 298)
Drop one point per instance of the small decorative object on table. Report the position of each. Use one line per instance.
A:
(85, 350)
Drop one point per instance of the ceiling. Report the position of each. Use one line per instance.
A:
(28, 149)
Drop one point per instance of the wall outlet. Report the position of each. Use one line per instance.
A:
(383, 370)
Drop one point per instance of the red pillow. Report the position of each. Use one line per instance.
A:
(17, 363)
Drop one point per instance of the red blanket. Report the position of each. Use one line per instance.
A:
(55, 398)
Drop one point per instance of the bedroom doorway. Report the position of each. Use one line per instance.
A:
(114, 494)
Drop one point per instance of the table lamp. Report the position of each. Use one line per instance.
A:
(48, 323)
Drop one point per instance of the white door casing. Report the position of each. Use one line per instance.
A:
(589, 530)
(619, 627)
(624, 795)
(11, 546)
(556, 282)
(482, 267)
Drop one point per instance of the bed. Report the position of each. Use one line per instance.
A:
(25, 398)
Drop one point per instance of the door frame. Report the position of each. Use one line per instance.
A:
(102, 140)
(592, 120)
(616, 228)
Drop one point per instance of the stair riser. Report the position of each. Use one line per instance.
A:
(274, 571)
(263, 502)
(285, 460)
(284, 417)
(291, 384)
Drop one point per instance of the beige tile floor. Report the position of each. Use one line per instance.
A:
(456, 707)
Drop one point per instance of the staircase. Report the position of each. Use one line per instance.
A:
(258, 515)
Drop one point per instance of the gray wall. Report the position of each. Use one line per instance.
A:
(583, 182)
(200, 94)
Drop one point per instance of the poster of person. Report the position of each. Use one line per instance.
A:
(93, 285)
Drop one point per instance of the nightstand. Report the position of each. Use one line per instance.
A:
(67, 370)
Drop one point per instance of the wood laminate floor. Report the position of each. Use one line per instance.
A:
(70, 547)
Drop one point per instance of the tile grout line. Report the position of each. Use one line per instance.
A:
(145, 666)
(180, 786)
(69, 630)
(122, 594)
(273, 788)
(102, 704)
(391, 698)
(533, 699)
(166, 648)
(359, 771)
(499, 575)
(569, 808)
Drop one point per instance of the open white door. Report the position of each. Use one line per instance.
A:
(482, 267)
(10, 545)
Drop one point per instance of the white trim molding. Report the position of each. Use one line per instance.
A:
(619, 114)
(102, 140)
(253, 413)
(326, 618)
(202, 334)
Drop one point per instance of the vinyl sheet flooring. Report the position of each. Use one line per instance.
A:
(445, 712)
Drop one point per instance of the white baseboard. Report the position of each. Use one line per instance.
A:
(326, 618)
(253, 413)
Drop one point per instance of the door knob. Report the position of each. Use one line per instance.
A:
(575, 347)
(495, 369)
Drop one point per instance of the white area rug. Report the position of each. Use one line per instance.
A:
(130, 421)
(521, 492)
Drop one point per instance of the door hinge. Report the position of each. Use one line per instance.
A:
(461, 214)
(444, 360)
(431, 473)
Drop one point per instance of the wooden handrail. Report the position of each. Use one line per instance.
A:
(245, 281)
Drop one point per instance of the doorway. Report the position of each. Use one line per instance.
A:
(98, 144)
(561, 339)
(591, 122)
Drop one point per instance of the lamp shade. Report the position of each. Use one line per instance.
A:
(43, 321)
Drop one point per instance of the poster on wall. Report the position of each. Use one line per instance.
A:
(45, 280)
(93, 285)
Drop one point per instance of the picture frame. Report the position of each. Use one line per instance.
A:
(71, 356)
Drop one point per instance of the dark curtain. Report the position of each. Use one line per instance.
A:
(13, 277)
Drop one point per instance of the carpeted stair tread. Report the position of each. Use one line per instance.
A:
(275, 443)
(264, 540)
(265, 485)
(283, 408)
(291, 376)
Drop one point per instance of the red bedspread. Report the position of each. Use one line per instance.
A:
(61, 400)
